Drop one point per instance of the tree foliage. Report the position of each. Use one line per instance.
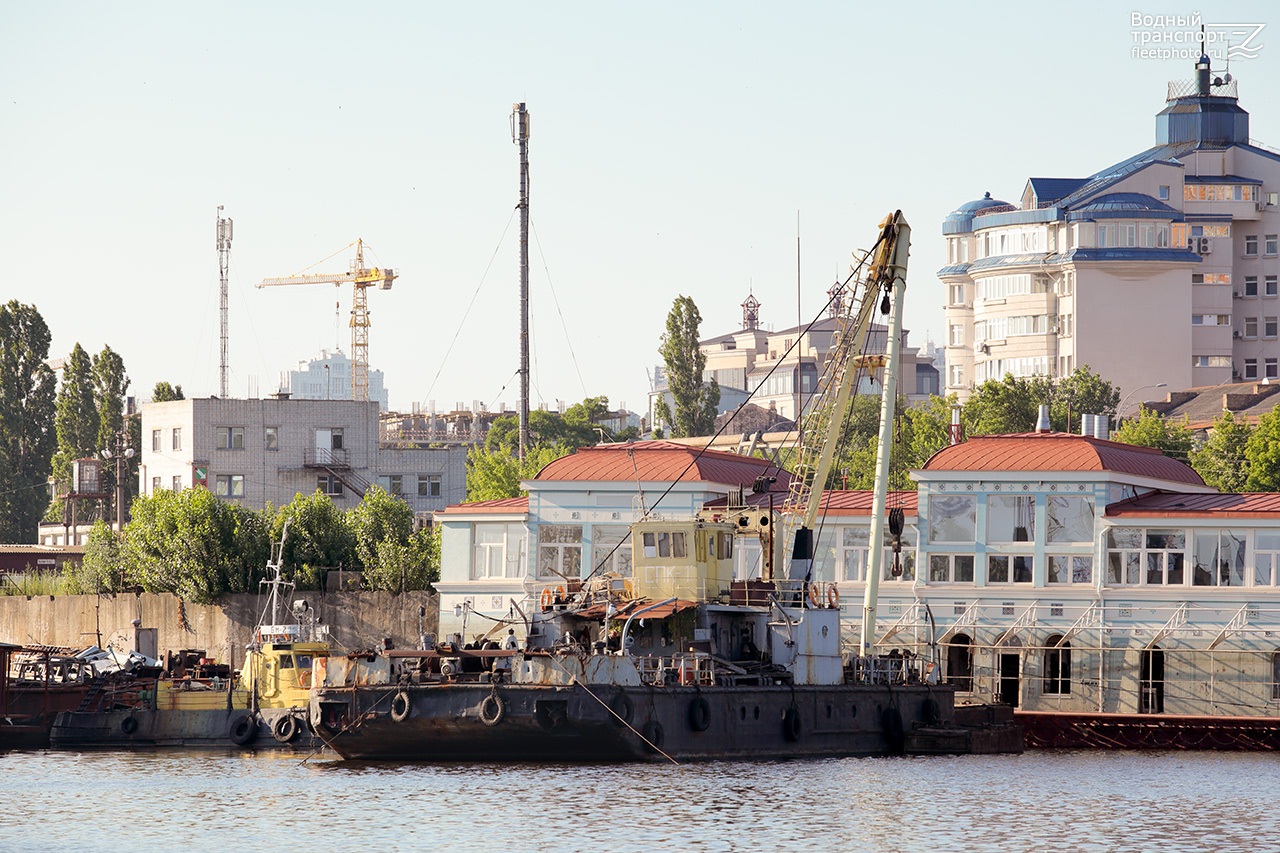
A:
(319, 538)
(1262, 451)
(1222, 460)
(695, 401)
(110, 384)
(164, 392)
(27, 433)
(493, 474)
(76, 415)
(1149, 429)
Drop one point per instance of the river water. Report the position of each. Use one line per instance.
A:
(184, 800)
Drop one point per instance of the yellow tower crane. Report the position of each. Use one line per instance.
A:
(360, 278)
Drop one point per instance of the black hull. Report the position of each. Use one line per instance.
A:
(458, 722)
(143, 728)
(1049, 730)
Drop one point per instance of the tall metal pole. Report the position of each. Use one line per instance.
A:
(901, 248)
(520, 135)
(224, 259)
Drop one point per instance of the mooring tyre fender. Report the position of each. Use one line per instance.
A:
(931, 712)
(493, 710)
(893, 732)
(699, 714)
(622, 709)
(244, 730)
(400, 707)
(652, 732)
(129, 725)
(285, 729)
(791, 724)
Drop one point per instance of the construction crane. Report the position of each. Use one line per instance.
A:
(360, 278)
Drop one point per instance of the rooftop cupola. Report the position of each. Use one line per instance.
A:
(1204, 112)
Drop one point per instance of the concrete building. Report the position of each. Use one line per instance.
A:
(328, 377)
(1159, 269)
(267, 451)
(778, 370)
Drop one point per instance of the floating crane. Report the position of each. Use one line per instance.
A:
(360, 278)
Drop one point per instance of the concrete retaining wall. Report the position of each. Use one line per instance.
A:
(356, 620)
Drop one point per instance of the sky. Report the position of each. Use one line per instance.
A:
(675, 149)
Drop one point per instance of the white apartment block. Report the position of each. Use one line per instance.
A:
(328, 377)
(1161, 269)
(257, 452)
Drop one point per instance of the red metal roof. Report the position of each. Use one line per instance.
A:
(834, 502)
(660, 461)
(502, 505)
(1059, 451)
(1177, 505)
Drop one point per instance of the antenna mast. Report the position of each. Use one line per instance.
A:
(520, 135)
(224, 258)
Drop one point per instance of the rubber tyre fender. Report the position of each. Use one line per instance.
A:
(653, 734)
(622, 708)
(931, 712)
(244, 730)
(493, 710)
(894, 735)
(699, 714)
(791, 724)
(400, 707)
(285, 729)
(129, 725)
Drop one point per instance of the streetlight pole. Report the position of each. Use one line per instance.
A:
(1125, 402)
(118, 454)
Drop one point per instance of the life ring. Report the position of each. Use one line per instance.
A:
(791, 724)
(622, 709)
(400, 706)
(699, 714)
(493, 710)
(285, 729)
(653, 735)
(244, 730)
(545, 600)
(833, 597)
(815, 597)
(891, 719)
(129, 725)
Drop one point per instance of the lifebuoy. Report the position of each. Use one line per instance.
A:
(699, 714)
(493, 710)
(285, 728)
(833, 597)
(400, 706)
(622, 709)
(815, 597)
(653, 735)
(545, 599)
(791, 724)
(244, 730)
(129, 725)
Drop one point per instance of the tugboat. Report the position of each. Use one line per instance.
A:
(192, 700)
(680, 661)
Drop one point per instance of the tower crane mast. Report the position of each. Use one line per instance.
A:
(360, 278)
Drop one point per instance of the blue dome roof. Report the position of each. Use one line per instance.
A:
(1123, 206)
(960, 220)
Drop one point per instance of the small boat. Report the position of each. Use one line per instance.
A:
(37, 682)
(192, 700)
(679, 661)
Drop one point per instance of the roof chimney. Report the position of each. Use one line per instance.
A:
(1042, 423)
(957, 428)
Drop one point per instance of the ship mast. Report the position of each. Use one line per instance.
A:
(520, 135)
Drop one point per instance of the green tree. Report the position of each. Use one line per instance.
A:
(493, 474)
(1222, 460)
(27, 434)
(75, 421)
(1082, 393)
(1007, 405)
(320, 538)
(105, 568)
(1262, 452)
(382, 525)
(193, 545)
(164, 392)
(695, 401)
(110, 383)
(1149, 429)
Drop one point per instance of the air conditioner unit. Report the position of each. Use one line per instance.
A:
(1236, 335)
(1206, 246)
(1236, 295)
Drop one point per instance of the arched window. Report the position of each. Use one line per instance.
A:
(1057, 666)
(960, 662)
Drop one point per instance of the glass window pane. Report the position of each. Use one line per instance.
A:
(1070, 519)
(940, 567)
(1082, 569)
(997, 569)
(952, 518)
(964, 568)
(1010, 518)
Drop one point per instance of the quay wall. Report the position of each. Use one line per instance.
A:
(356, 620)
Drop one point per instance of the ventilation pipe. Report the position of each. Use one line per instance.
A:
(1086, 424)
(1101, 427)
(957, 428)
(1042, 422)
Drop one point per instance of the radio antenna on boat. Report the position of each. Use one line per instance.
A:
(520, 136)
(278, 587)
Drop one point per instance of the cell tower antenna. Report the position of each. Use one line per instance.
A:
(520, 136)
(224, 260)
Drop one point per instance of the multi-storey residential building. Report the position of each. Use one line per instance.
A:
(328, 377)
(779, 370)
(1159, 269)
(267, 451)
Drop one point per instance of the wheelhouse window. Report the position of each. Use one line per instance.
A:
(664, 544)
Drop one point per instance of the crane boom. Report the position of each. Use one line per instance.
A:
(360, 278)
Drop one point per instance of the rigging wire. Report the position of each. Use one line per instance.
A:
(569, 341)
(470, 304)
